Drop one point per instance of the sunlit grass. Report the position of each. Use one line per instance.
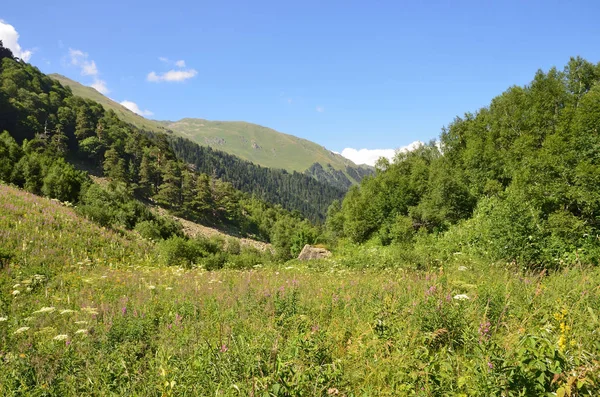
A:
(98, 317)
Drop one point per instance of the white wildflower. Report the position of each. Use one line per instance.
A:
(16, 286)
(28, 289)
(45, 310)
(169, 288)
(21, 330)
(60, 337)
(2, 319)
(151, 287)
(90, 310)
(461, 297)
(80, 322)
(16, 292)
(67, 311)
(81, 331)
(462, 268)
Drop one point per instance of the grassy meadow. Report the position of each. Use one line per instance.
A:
(88, 311)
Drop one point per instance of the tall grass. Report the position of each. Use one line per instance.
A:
(124, 326)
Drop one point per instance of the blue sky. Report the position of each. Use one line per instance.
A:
(345, 74)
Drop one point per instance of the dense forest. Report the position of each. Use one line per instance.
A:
(47, 130)
(515, 181)
(293, 191)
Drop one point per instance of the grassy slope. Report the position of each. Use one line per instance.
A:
(122, 112)
(260, 145)
(112, 327)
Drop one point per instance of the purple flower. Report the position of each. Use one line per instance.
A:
(124, 310)
(223, 349)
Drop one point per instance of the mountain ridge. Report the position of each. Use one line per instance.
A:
(259, 144)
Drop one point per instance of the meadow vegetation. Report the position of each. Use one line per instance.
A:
(89, 311)
(467, 267)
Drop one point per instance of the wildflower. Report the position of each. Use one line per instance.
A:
(81, 331)
(16, 286)
(67, 311)
(21, 330)
(60, 337)
(80, 322)
(90, 310)
(16, 292)
(2, 319)
(484, 331)
(461, 297)
(151, 287)
(169, 288)
(462, 268)
(45, 310)
(223, 349)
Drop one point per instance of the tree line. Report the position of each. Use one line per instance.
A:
(516, 180)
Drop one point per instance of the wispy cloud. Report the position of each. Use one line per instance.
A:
(10, 39)
(88, 67)
(370, 156)
(320, 109)
(172, 76)
(135, 108)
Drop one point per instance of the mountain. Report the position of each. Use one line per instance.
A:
(257, 144)
(310, 193)
(51, 139)
(261, 145)
(122, 112)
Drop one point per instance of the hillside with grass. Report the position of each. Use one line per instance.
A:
(121, 111)
(260, 145)
(88, 311)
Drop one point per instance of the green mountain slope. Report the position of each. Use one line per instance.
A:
(122, 112)
(260, 145)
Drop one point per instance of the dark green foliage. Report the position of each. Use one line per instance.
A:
(116, 207)
(293, 191)
(63, 182)
(516, 181)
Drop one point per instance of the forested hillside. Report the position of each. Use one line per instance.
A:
(292, 190)
(515, 181)
(46, 129)
(248, 146)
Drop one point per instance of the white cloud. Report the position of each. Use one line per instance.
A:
(163, 59)
(370, 156)
(10, 39)
(100, 86)
(320, 109)
(88, 67)
(135, 108)
(172, 76)
(180, 63)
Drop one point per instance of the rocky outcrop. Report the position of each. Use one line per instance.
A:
(310, 252)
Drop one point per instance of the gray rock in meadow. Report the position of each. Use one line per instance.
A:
(309, 252)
